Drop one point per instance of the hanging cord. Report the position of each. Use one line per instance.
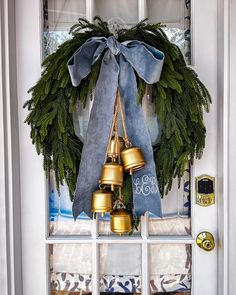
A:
(116, 135)
(112, 129)
(126, 138)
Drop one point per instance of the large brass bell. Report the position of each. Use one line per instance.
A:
(102, 201)
(120, 221)
(132, 159)
(116, 145)
(112, 175)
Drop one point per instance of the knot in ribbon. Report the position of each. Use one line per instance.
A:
(116, 72)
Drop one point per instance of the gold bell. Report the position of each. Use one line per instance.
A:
(132, 159)
(112, 174)
(115, 147)
(102, 201)
(120, 222)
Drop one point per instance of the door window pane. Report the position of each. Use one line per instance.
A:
(71, 268)
(171, 12)
(176, 210)
(120, 268)
(117, 12)
(175, 15)
(170, 268)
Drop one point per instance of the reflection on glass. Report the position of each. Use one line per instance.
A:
(170, 268)
(175, 15)
(71, 268)
(59, 16)
(120, 268)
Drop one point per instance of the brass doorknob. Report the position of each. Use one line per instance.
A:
(205, 241)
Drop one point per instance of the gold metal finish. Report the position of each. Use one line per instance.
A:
(115, 147)
(205, 190)
(132, 159)
(120, 222)
(112, 174)
(102, 201)
(205, 241)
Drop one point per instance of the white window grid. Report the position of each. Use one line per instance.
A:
(144, 239)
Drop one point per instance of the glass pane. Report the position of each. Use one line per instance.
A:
(176, 210)
(170, 268)
(61, 221)
(71, 268)
(120, 268)
(166, 11)
(175, 14)
(117, 12)
(61, 14)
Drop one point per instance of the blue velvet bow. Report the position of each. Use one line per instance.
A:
(116, 72)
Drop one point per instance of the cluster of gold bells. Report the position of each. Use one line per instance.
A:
(120, 156)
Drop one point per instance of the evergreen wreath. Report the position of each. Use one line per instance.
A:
(180, 98)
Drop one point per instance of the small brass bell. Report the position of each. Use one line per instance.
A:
(102, 201)
(120, 222)
(132, 159)
(115, 147)
(112, 174)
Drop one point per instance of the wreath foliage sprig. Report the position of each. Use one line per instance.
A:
(180, 98)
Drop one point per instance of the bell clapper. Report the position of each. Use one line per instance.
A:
(131, 171)
(120, 218)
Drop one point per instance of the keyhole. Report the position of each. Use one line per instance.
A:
(207, 244)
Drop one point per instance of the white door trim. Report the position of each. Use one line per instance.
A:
(9, 148)
(227, 145)
(10, 216)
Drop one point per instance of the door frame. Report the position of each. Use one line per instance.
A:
(12, 186)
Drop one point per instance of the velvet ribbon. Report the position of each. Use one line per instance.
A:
(120, 62)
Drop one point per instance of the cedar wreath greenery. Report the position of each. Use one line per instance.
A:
(180, 97)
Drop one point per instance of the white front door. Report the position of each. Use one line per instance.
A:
(59, 254)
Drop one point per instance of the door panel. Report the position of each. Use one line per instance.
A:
(163, 243)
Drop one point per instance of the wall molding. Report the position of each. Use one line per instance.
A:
(10, 220)
(227, 146)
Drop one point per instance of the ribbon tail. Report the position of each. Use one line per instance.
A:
(146, 195)
(97, 137)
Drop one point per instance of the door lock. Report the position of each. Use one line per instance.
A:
(205, 241)
(205, 190)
